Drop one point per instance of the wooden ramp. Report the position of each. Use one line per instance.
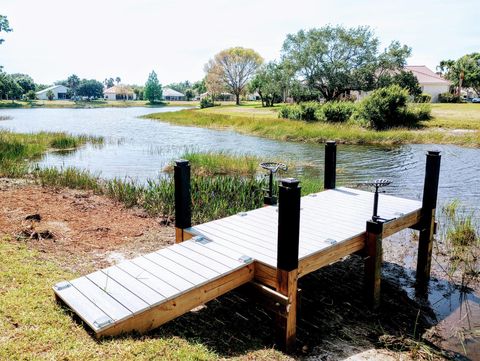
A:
(147, 291)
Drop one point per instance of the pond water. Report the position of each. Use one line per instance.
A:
(139, 149)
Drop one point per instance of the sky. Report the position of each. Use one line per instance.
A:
(53, 39)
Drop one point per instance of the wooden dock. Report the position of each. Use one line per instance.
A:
(213, 258)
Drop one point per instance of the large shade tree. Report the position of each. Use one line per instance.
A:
(236, 66)
(463, 72)
(4, 26)
(335, 60)
(272, 82)
(90, 88)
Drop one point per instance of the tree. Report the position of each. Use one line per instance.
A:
(214, 81)
(138, 90)
(405, 79)
(189, 94)
(463, 72)
(118, 80)
(31, 95)
(50, 95)
(90, 88)
(73, 82)
(180, 87)
(272, 82)
(4, 26)
(9, 88)
(199, 87)
(108, 82)
(335, 60)
(153, 89)
(236, 66)
(25, 81)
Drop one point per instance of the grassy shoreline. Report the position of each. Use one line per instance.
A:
(443, 129)
(20, 104)
(17, 149)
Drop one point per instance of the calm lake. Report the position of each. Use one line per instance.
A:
(140, 149)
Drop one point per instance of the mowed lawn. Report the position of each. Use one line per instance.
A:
(455, 116)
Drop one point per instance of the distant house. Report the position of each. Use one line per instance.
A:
(119, 92)
(59, 92)
(171, 94)
(224, 97)
(430, 82)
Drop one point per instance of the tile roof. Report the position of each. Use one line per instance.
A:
(425, 75)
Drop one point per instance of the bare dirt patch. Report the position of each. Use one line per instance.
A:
(78, 229)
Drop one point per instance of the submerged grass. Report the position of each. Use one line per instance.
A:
(252, 121)
(461, 243)
(17, 148)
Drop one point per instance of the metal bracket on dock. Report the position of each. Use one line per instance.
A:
(201, 239)
(102, 321)
(62, 285)
(245, 259)
(242, 214)
(330, 241)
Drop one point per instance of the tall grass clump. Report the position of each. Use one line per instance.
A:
(16, 149)
(68, 177)
(221, 163)
(461, 242)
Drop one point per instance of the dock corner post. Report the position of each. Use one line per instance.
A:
(287, 258)
(427, 222)
(183, 202)
(330, 164)
(373, 263)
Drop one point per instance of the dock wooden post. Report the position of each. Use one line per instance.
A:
(427, 223)
(373, 263)
(330, 164)
(287, 258)
(183, 202)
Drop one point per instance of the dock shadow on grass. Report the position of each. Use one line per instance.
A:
(334, 321)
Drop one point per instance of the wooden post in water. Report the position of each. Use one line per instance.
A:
(330, 164)
(287, 258)
(373, 263)
(427, 223)
(183, 202)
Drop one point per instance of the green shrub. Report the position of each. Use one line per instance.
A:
(336, 111)
(449, 98)
(206, 103)
(423, 98)
(64, 142)
(386, 108)
(304, 111)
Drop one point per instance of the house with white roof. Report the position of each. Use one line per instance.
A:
(171, 94)
(59, 92)
(430, 82)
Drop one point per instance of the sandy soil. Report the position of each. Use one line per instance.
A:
(80, 230)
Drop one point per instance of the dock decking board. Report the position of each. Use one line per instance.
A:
(149, 290)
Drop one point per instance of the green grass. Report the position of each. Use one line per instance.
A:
(222, 184)
(34, 327)
(264, 122)
(17, 148)
(221, 163)
(455, 116)
(461, 243)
